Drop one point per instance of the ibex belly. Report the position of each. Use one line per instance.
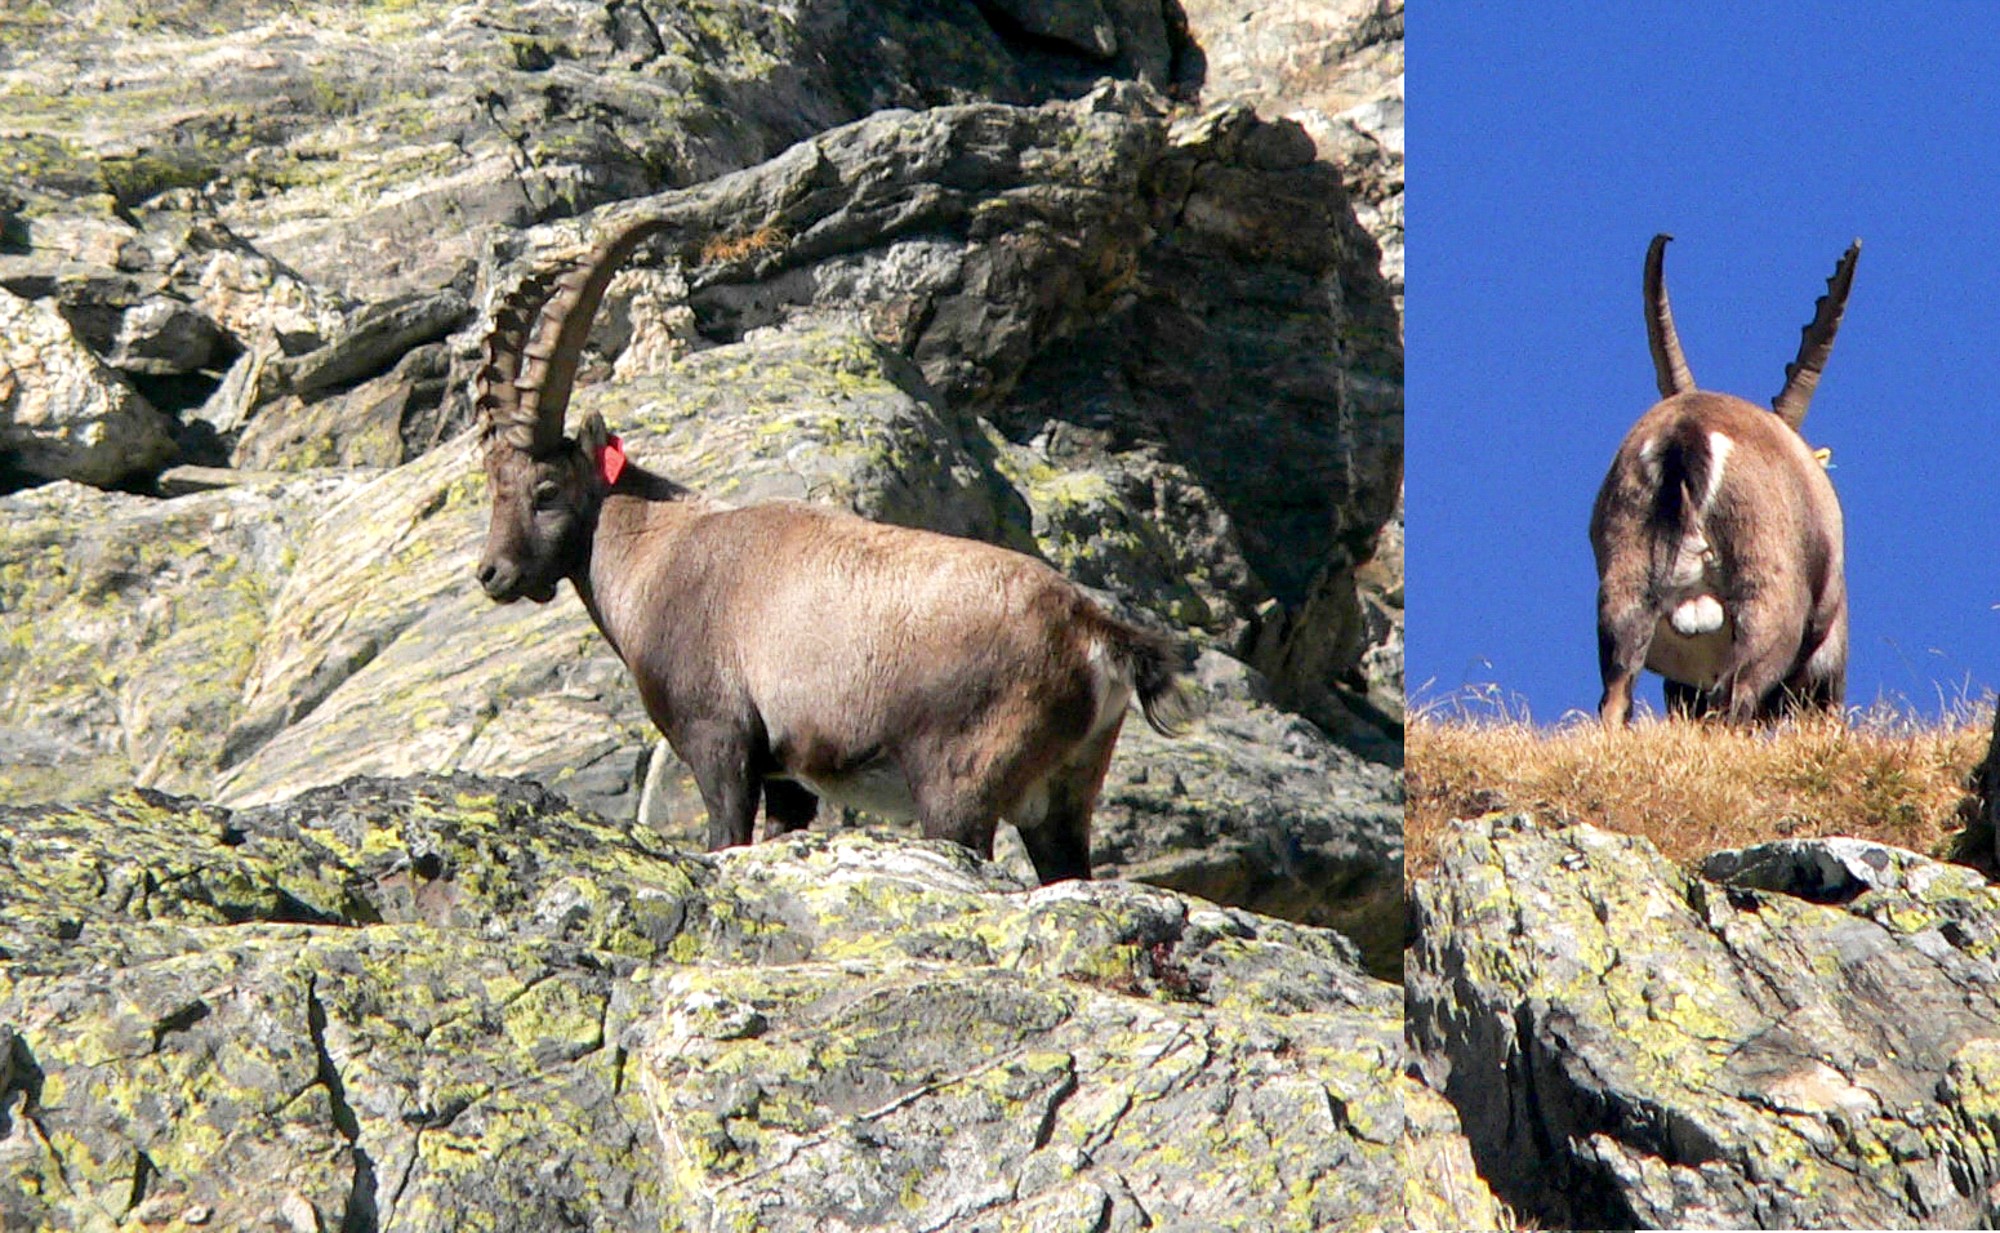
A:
(1692, 659)
(878, 787)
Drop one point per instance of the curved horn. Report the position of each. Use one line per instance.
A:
(1670, 367)
(1816, 343)
(531, 353)
(494, 397)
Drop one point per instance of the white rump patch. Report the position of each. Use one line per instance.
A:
(1111, 690)
(1649, 460)
(1700, 615)
(1719, 447)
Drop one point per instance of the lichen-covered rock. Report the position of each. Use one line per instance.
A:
(1151, 348)
(1257, 808)
(1442, 1188)
(442, 1004)
(1629, 1045)
(128, 626)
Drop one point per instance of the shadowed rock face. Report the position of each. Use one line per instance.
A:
(1804, 1036)
(449, 1003)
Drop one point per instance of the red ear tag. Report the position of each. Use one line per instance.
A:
(611, 461)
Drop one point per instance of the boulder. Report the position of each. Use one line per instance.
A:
(1802, 1036)
(450, 1003)
(63, 413)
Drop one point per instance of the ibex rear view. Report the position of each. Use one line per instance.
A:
(790, 652)
(1718, 539)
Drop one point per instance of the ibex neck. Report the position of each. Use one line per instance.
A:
(634, 527)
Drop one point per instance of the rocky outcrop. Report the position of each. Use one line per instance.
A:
(452, 1003)
(1336, 70)
(1801, 1035)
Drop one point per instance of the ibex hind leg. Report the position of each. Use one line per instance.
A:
(1622, 643)
(1688, 701)
(1059, 844)
(961, 801)
(1806, 693)
(1751, 684)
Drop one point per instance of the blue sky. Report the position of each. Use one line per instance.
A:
(1547, 144)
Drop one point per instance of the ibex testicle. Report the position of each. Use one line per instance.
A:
(1718, 539)
(789, 651)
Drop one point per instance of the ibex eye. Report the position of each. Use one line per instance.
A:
(547, 494)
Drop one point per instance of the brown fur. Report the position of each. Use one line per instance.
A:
(784, 646)
(1751, 535)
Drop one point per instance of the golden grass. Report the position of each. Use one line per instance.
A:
(740, 244)
(1693, 788)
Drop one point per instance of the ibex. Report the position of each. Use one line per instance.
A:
(791, 652)
(1718, 538)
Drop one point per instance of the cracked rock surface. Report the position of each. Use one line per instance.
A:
(1805, 1036)
(437, 1004)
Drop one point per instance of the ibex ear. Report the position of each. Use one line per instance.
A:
(604, 451)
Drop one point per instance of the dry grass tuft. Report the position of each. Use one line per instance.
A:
(1694, 788)
(735, 246)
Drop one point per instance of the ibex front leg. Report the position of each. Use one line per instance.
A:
(720, 757)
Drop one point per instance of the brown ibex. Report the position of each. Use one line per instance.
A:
(1718, 538)
(792, 651)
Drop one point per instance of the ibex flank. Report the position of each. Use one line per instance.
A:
(1718, 539)
(789, 651)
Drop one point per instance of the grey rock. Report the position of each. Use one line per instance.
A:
(130, 627)
(63, 413)
(1833, 870)
(1631, 1046)
(1337, 71)
(163, 335)
(448, 1003)
(385, 420)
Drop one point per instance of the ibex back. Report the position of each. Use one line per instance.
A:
(1718, 538)
(789, 651)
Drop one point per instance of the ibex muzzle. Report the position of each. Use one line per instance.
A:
(1718, 539)
(788, 651)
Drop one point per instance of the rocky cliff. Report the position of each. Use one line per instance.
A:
(1038, 273)
(1801, 1034)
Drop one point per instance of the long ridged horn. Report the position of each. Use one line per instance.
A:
(493, 394)
(531, 354)
(1816, 343)
(1670, 367)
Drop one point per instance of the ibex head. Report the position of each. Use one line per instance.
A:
(546, 487)
(1718, 537)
